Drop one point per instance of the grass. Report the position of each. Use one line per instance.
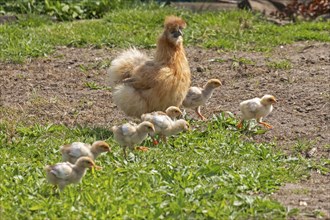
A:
(208, 173)
(35, 36)
(282, 65)
(95, 86)
(212, 172)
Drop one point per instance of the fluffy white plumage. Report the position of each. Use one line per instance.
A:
(164, 125)
(129, 134)
(65, 173)
(125, 62)
(257, 108)
(197, 96)
(72, 152)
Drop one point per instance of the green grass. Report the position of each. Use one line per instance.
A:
(207, 173)
(95, 86)
(212, 172)
(282, 65)
(35, 36)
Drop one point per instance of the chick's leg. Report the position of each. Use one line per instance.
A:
(154, 140)
(198, 112)
(164, 139)
(142, 148)
(240, 124)
(124, 150)
(265, 124)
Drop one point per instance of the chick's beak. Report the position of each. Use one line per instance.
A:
(97, 167)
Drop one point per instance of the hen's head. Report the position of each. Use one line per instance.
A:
(173, 29)
(268, 100)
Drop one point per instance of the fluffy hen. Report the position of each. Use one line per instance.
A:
(143, 85)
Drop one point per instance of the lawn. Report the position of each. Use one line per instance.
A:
(236, 30)
(207, 173)
(213, 171)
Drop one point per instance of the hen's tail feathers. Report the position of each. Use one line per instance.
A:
(123, 65)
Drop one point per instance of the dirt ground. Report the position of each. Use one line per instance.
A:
(57, 89)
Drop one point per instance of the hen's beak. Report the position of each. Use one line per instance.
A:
(177, 33)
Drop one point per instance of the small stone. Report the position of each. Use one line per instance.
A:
(283, 79)
(299, 109)
(311, 152)
(309, 103)
(302, 203)
(200, 69)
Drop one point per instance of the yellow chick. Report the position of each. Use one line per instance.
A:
(161, 120)
(128, 135)
(72, 152)
(62, 174)
(173, 112)
(198, 96)
(165, 126)
(257, 109)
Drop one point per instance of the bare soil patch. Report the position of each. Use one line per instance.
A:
(58, 89)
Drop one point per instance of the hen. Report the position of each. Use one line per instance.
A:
(197, 96)
(72, 152)
(62, 174)
(143, 85)
(128, 135)
(257, 109)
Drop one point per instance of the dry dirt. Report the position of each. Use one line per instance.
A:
(54, 90)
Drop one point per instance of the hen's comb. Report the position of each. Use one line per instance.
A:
(173, 21)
